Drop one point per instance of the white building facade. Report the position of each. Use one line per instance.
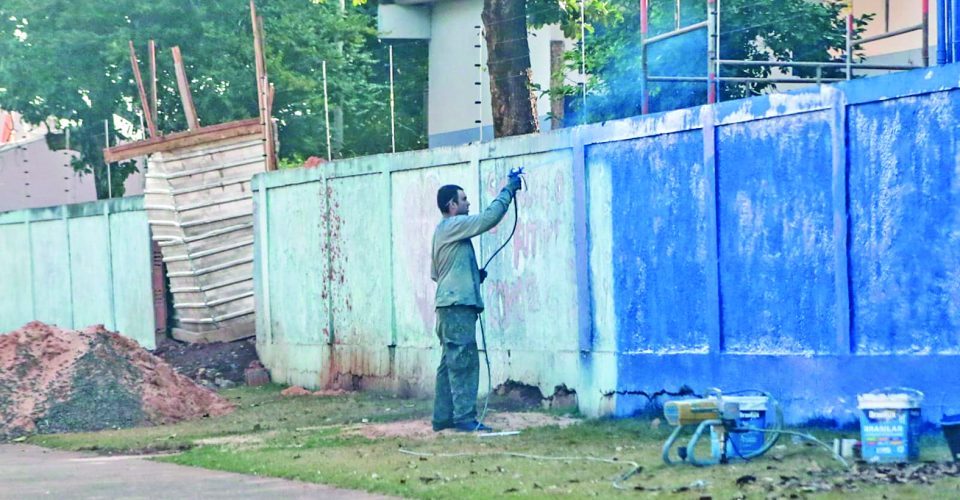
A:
(456, 48)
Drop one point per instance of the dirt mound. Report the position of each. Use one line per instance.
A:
(214, 365)
(54, 380)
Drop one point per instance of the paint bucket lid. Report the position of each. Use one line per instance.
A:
(749, 403)
(890, 398)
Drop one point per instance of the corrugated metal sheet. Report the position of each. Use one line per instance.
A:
(201, 214)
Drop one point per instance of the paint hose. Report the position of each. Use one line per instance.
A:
(483, 334)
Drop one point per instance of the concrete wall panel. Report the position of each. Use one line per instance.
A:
(532, 281)
(16, 287)
(90, 271)
(79, 265)
(414, 217)
(299, 307)
(658, 216)
(362, 301)
(132, 276)
(776, 235)
(50, 257)
(905, 225)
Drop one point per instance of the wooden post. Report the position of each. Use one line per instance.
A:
(270, 142)
(184, 85)
(264, 97)
(144, 104)
(257, 55)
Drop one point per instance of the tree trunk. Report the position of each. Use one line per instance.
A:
(508, 61)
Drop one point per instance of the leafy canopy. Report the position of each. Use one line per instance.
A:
(70, 60)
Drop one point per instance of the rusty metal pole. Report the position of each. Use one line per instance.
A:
(925, 49)
(644, 91)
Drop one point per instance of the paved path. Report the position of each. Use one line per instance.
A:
(33, 472)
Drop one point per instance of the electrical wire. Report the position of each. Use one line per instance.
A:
(634, 466)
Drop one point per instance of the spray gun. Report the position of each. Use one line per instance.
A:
(515, 173)
(518, 172)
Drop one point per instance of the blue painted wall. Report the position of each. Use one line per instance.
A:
(905, 225)
(660, 260)
(776, 235)
(806, 244)
(837, 233)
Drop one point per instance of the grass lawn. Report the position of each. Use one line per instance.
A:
(301, 438)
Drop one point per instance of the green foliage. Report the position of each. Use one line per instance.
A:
(755, 30)
(70, 61)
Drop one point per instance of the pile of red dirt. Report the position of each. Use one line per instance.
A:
(54, 380)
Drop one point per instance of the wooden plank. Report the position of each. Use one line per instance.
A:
(257, 54)
(226, 334)
(153, 81)
(264, 97)
(184, 85)
(144, 104)
(183, 139)
(246, 158)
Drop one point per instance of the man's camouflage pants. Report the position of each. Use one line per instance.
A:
(458, 375)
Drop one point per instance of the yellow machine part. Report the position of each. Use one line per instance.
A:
(692, 411)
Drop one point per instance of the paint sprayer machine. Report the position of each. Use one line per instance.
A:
(742, 425)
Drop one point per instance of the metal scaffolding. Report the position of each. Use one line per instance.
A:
(713, 78)
(948, 32)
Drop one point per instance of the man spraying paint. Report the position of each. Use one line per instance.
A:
(458, 303)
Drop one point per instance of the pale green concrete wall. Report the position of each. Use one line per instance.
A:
(78, 265)
(342, 269)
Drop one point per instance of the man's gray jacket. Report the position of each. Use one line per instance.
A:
(454, 266)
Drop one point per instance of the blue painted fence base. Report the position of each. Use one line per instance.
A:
(814, 388)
